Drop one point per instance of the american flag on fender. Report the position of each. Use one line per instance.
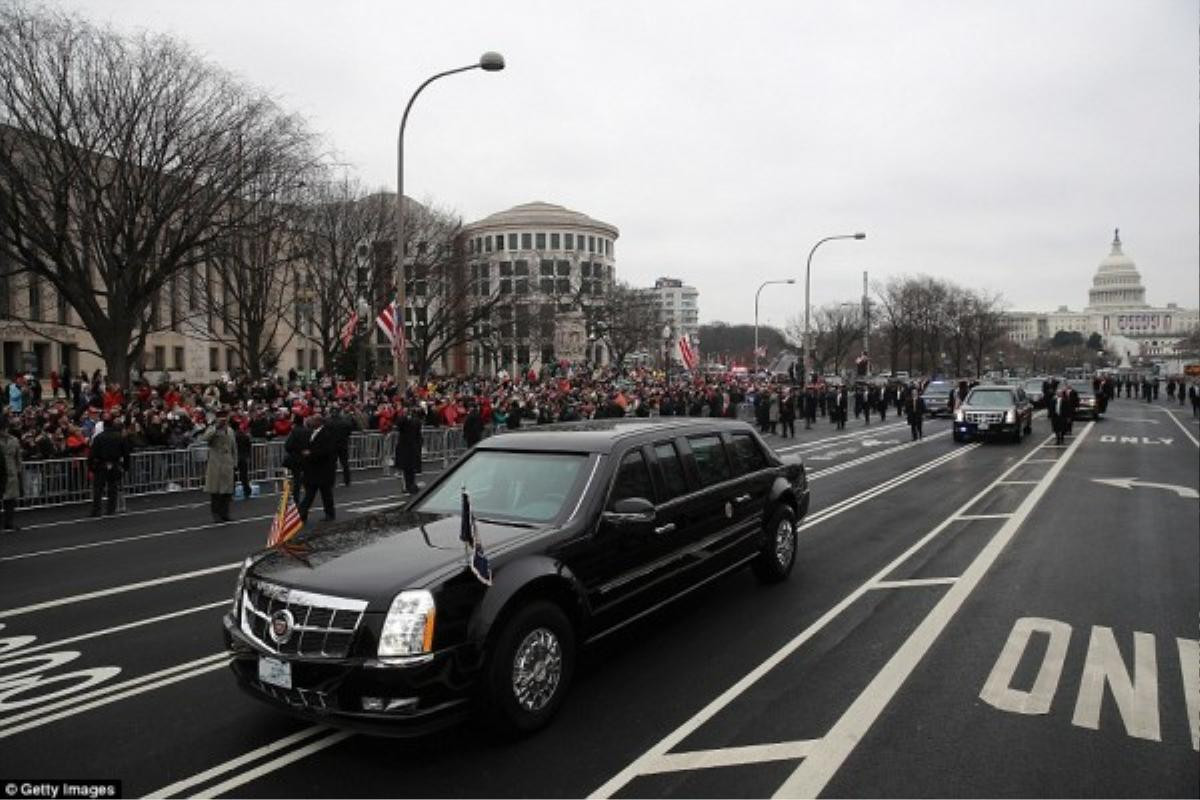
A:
(348, 330)
(287, 522)
(686, 353)
(477, 560)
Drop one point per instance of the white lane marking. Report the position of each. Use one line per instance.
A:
(815, 474)
(1185, 492)
(811, 777)
(110, 693)
(276, 763)
(637, 767)
(234, 763)
(835, 440)
(1136, 695)
(129, 587)
(92, 520)
(997, 689)
(911, 582)
(115, 629)
(156, 534)
(1186, 432)
(378, 507)
(1189, 664)
(1018, 483)
(983, 516)
(883, 488)
(730, 756)
(1041, 461)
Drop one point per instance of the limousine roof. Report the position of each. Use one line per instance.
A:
(602, 435)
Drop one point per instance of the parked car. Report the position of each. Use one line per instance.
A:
(382, 624)
(992, 410)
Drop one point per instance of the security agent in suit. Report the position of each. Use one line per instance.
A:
(914, 409)
(319, 459)
(108, 460)
(341, 427)
(408, 448)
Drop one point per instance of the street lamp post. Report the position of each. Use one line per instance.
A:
(364, 311)
(666, 335)
(808, 305)
(756, 294)
(488, 62)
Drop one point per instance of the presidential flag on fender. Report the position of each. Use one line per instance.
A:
(477, 560)
(287, 522)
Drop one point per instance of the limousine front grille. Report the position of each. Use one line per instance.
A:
(985, 417)
(314, 625)
(300, 698)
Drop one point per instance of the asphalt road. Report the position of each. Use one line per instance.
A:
(964, 620)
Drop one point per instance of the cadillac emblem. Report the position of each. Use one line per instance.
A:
(282, 624)
(729, 510)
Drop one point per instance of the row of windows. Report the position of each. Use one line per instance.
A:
(715, 462)
(571, 242)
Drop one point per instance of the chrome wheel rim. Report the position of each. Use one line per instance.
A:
(537, 669)
(785, 542)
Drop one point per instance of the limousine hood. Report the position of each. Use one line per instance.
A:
(374, 557)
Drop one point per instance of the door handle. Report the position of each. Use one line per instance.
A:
(670, 526)
(741, 498)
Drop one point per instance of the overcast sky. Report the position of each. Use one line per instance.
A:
(996, 144)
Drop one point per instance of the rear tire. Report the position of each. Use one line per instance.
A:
(530, 668)
(778, 554)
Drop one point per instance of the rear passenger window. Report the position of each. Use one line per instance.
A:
(710, 459)
(747, 455)
(633, 480)
(672, 470)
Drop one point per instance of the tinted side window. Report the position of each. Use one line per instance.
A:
(747, 455)
(672, 470)
(633, 479)
(710, 459)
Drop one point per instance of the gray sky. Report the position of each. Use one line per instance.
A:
(996, 144)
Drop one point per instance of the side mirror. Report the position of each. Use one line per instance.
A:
(631, 511)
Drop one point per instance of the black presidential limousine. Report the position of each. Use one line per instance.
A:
(382, 624)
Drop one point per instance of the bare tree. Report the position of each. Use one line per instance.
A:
(629, 318)
(123, 161)
(837, 328)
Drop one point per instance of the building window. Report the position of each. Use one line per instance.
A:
(62, 307)
(585, 269)
(522, 286)
(300, 359)
(522, 322)
(526, 241)
(512, 241)
(313, 359)
(563, 285)
(547, 285)
(505, 269)
(214, 359)
(522, 268)
(499, 242)
(231, 362)
(35, 298)
(547, 268)
(178, 358)
(505, 286)
(487, 244)
(554, 241)
(564, 269)
(547, 354)
(541, 241)
(591, 244)
(608, 247)
(568, 241)
(160, 357)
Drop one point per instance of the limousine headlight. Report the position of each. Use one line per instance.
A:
(1010, 416)
(408, 628)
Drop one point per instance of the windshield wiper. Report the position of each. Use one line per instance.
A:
(510, 522)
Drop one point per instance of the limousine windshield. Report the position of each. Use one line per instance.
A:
(525, 486)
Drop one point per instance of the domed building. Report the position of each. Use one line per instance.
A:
(550, 266)
(1117, 310)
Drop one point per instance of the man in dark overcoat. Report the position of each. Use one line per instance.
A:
(319, 462)
(108, 460)
(408, 448)
(914, 410)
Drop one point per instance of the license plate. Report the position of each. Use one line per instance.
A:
(983, 426)
(275, 672)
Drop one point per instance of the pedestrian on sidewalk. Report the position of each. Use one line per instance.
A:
(219, 472)
(108, 459)
(14, 483)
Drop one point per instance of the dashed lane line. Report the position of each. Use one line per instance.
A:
(815, 772)
(129, 587)
(1182, 427)
(334, 737)
(246, 758)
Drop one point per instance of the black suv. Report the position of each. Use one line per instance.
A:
(382, 624)
(997, 410)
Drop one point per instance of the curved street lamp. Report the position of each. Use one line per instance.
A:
(807, 305)
(488, 62)
(756, 294)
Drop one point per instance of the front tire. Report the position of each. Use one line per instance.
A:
(778, 555)
(530, 669)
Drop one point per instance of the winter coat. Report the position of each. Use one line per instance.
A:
(222, 459)
(10, 451)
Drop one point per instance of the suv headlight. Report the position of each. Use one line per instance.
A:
(960, 416)
(1010, 416)
(408, 628)
(241, 582)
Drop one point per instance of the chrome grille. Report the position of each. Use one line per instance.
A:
(987, 417)
(323, 625)
(301, 698)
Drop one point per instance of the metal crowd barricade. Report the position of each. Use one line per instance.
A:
(68, 480)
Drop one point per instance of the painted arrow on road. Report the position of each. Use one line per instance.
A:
(1129, 483)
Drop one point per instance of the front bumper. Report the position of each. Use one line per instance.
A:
(423, 698)
(971, 430)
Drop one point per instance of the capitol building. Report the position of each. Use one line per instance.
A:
(1117, 310)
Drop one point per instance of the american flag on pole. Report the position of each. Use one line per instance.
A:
(348, 330)
(686, 354)
(391, 322)
(287, 522)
